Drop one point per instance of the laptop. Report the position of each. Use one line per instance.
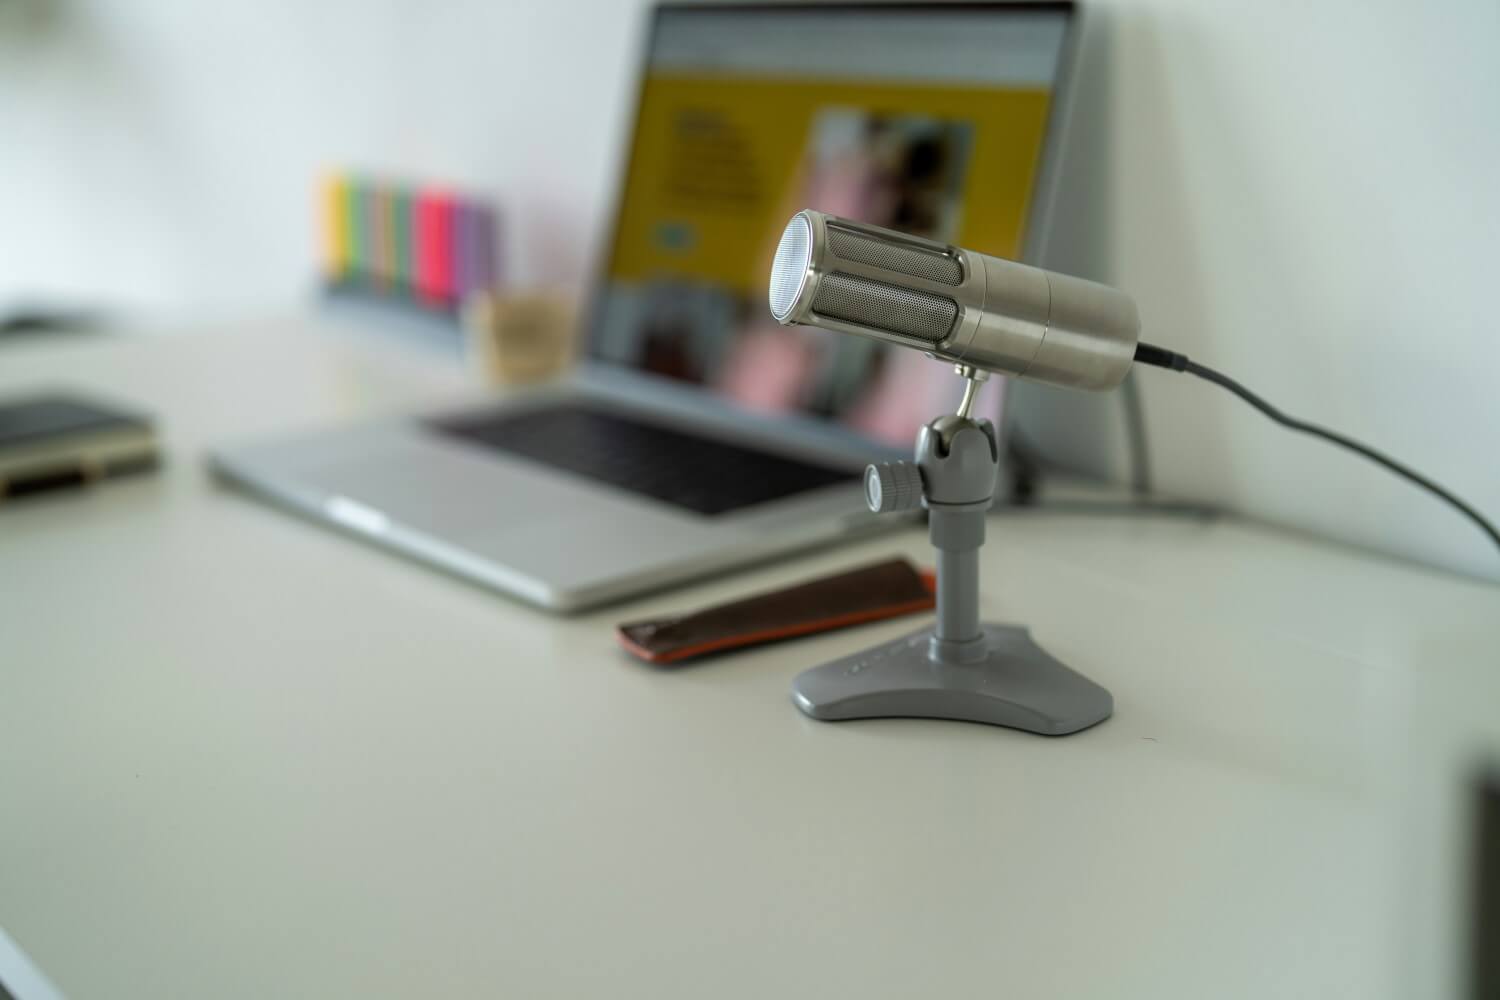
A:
(696, 434)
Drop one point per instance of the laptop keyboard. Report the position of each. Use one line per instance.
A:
(705, 475)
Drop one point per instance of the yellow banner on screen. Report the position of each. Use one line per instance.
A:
(720, 164)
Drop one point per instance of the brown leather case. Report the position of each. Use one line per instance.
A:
(870, 593)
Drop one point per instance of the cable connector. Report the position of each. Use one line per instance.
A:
(1150, 354)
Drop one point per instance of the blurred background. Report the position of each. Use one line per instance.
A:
(1302, 195)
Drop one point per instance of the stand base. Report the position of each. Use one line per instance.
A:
(1016, 684)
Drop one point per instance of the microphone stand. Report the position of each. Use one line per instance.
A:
(958, 668)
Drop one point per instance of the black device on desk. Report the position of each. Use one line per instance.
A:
(1484, 940)
(56, 440)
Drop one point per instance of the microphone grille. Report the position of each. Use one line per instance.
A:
(789, 269)
(892, 256)
(902, 311)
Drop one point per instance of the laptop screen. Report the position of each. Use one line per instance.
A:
(929, 119)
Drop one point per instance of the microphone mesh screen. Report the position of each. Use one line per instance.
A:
(898, 257)
(790, 265)
(897, 310)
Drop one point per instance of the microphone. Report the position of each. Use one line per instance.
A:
(953, 304)
(984, 314)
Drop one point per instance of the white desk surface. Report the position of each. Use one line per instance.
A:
(241, 755)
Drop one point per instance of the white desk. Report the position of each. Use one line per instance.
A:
(241, 755)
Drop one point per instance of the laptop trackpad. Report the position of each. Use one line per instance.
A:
(571, 552)
(561, 528)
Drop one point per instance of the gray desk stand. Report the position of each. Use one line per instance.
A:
(957, 669)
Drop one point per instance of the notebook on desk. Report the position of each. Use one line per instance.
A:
(51, 441)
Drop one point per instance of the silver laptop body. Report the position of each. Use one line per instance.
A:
(568, 542)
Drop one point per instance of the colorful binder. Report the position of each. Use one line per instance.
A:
(425, 245)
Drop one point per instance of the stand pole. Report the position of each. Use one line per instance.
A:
(958, 600)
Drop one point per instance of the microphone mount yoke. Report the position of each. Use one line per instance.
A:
(958, 668)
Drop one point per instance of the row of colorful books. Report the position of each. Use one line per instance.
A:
(426, 245)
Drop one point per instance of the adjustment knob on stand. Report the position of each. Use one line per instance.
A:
(893, 486)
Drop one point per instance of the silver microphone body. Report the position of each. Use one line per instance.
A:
(953, 304)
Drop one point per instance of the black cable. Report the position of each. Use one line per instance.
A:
(1105, 508)
(1150, 354)
(1027, 470)
(1135, 436)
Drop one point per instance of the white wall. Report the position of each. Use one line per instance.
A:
(1306, 195)
(164, 153)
